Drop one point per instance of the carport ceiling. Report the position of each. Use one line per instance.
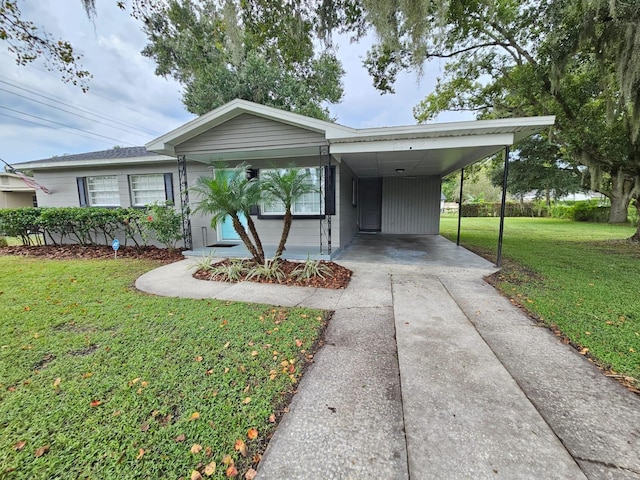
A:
(438, 162)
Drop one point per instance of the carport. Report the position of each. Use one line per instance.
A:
(396, 166)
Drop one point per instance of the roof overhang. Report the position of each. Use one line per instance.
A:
(58, 162)
(431, 149)
(435, 149)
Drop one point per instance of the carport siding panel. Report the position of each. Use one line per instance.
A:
(347, 213)
(249, 132)
(411, 205)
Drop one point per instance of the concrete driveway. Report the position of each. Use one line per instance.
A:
(428, 373)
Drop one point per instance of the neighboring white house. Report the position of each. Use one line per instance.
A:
(14, 193)
(376, 179)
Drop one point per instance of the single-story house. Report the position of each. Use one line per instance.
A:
(374, 179)
(14, 192)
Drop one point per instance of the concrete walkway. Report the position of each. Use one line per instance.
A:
(428, 373)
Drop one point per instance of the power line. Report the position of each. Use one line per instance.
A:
(63, 110)
(66, 126)
(125, 124)
(54, 128)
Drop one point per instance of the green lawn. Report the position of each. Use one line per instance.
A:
(100, 381)
(583, 278)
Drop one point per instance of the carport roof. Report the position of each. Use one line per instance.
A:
(413, 150)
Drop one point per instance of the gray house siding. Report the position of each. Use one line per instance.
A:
(304, 232)
(64, 189)
(249, 132)
(411, 205)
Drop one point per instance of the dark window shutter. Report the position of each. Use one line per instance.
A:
(168, 187)
(82, 191)
(330, 190)
(254, 210)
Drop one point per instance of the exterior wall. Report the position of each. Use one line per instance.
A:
(304, 232)
(346, 210)
(248, 132)
(16, 199)
(64, 189)
(411, 205)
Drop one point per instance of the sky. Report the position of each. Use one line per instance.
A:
(128, 105)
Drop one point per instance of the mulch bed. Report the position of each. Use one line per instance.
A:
(338, 279)
(65, 252)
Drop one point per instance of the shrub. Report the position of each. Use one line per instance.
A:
(21, 223)
(310, 269)
(232, 270)
(3, 242)
(269, 270)
(92, 225)
(165, 224)
(512, 209)
(588, 211)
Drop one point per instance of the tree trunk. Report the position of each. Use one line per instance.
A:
(246, 240)
(622, 189)
(256, 237)
(285, 233)
(636, 236)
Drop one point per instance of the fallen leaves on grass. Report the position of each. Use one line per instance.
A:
(252, 434)
(231, 471)
(95, 403)
(19, 445)
(40, 451)
(196, 448)
(194, 416)
(251, 474)
(210, 469)
(240, 447)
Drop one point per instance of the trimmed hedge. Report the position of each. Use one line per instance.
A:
(512, 209)
(581, 211)
(92, 225)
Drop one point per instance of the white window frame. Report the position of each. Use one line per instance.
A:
(103, 191)
(160, 195)
(268, 209)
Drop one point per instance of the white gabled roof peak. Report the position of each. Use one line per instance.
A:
(167, 143)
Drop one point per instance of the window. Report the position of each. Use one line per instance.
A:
(102, 191)
(148, 189)
(307, 204)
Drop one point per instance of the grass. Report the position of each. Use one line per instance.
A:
(100, 381)
(580, 278)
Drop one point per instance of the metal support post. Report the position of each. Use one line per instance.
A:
(460, 206)
(505, 176)
(185, 209)
(325, 163)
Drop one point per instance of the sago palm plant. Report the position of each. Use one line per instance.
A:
(286, 185)
(232, 194)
